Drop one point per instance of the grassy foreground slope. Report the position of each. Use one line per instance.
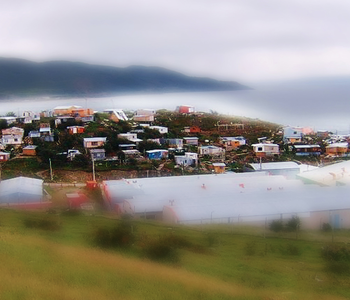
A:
(226, 264)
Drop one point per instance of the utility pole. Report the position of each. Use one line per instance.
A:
(51, 174)
(93, 169)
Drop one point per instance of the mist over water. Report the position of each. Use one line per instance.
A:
(318, 106)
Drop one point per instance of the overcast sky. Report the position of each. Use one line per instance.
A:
(243, 40)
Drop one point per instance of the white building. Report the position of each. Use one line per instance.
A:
(161, 129)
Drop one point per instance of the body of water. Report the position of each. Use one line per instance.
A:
(321, 107)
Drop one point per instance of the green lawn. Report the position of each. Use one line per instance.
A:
(219, 262)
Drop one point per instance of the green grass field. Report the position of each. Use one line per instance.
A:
(216, 262)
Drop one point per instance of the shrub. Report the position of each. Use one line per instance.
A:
(250, 248)
(119, 236)
(276, 226)
(44, 223)
(335, 252)
(290, 249)
(326, 227)
(337, 259)
(293, 224)
(161, 250)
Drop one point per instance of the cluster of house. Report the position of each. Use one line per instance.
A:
(299, 143)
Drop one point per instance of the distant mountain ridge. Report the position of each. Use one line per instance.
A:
(20, 77)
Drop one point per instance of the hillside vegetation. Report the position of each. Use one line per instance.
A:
(26, 78)
(211, 262)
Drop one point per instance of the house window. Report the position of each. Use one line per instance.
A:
(260, 149)
(94, 143)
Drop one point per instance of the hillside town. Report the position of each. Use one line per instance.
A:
(179, 166)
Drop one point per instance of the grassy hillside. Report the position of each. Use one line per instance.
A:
(215, 262)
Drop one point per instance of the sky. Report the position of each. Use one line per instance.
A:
(243, 40)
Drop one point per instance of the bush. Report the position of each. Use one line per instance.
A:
(337, 259)
(326, 227)
(44, 223)
(290, 249)
(276, 226)
(250, 248)
(161, 250)
(335, 252)
(293, 224)
(119, 236)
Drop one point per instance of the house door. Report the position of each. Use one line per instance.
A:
(335, 221)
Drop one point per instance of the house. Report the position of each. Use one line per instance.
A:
(30, 116)
(34, 134)
(185, 109)
(189, 159)
(4, 156)
(144, 115)
(9, 120)
(337, 149)
(76, 129)
(45, 132)
(322, 133)
(116, 115)
(98, 154)
(211, 151)
(192, 129)
(191, 141)
(265, 149)
(161, 129)
(132, 137)
(292, 135)
(72, 153)
(12, 136)
(173, 143)
(232, 142)
(94, 142)
(63, 119)
(65, 110)
(143, 118)
(80, 112)
(157, 154)
(218, 168)
(30, 150)
(307, 150)
(127, 146)
(132, 153)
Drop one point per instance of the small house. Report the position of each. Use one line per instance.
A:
(157, 154)
(174, 143)
(337, 149)
(143, 118)
(76, 129)
(127, 146)
(189, 159)
(65, 110)
(232, 142)
(29, 150)
(4, 156)
(185, 109)
(12, 136)
(130, 136)
(218, 168)
(191, 141)
(98, 154)
(307, 150)
(116, 115)
(94, 142)
(211, 151)
(265, 149)
(292, 135)
(161, 129)
(34, 134)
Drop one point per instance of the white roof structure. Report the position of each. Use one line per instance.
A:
(21, 189)
(67, 107)
(328, 175)
(95, 139)
(274, 166)
(118, 112)
(144, 193)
